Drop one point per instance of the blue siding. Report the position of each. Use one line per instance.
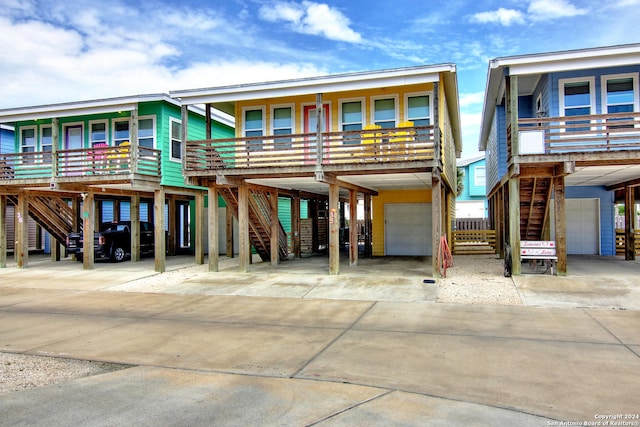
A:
(597, 73)
(107, 211)
(471, 191)
(607, 214)
(7, 141)
(501, 114)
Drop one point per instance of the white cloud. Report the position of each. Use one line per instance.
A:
(312, 18)
(102, 55)
(538, 10)
(552, 9)
(222, 73)
(501, 16)
(468, 99)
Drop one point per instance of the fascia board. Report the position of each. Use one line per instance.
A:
(342, 83)
(48, 112)
(573, 64)
(68, 109)
(492, 91)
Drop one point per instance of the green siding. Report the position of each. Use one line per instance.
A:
(162, 112)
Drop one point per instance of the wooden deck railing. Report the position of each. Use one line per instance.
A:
(588, 133)
(363, 146)
(83, 162)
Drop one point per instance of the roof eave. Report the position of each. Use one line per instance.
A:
(312, 85)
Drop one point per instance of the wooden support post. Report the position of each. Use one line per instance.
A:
(353, 227)
(560, 225)
(184, 117)
(54, 245)
(207, 121)
(229, 233)
(334, 229)
(75, 221)
(629, 223)
(213, 220)
(243, 226)
(135, 228)
(21, 247)
(319, 142)
(199, 235)
(116, 211)
(3, 231)
(295, 226)
(133, 148)
(275, 228)
(55, 145)
(159, 233)
(511, 91)
(514, 223)
(88, 222)
(368, 227)
(436, 220)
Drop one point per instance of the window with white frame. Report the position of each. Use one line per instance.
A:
(28, 139)
(146, 132)
(282, 124)
(384, 112)
(539, 111)
(418, 110)
(351, 119)
(121, 132)
(480, 176)
(619, 94)
(176, 139)
(577, 98)
(46, 142)
(253, 123)
(98, 133)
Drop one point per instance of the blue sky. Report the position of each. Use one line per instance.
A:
(54, 51)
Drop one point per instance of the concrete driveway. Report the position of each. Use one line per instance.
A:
(591, 281)
(197, 359)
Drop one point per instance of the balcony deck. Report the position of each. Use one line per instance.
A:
(364, 150)
(103, 165)
(587, 137)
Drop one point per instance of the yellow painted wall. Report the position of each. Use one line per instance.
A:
(388, 197)
(334, 100)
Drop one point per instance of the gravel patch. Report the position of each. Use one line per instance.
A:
(477, 279)
(21, 371)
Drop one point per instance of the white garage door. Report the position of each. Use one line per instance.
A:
(583, 226)
(583, 231)
(407, 229)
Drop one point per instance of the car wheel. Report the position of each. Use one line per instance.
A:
(117, 254)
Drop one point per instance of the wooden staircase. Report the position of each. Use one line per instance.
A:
(51, 213)
(535, 197)
(259, 222)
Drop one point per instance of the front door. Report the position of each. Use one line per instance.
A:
(73, 137)
(311, 126)
(72, 141)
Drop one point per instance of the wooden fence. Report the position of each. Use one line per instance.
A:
(621, 243)
(474, 242)
(472, 224)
